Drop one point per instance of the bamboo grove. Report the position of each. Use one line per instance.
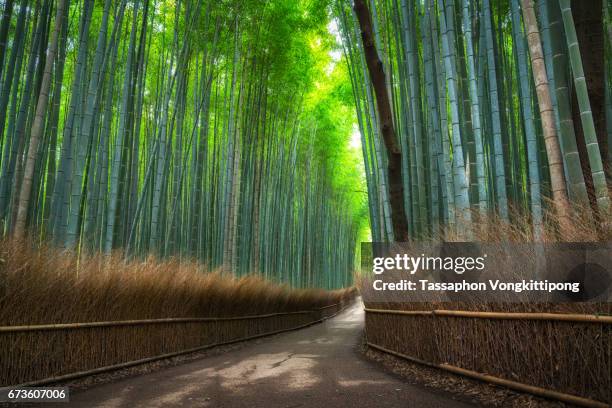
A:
(211, 130)
(492, 113)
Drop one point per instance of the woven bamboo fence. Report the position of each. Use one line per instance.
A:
(42, 354)
(567, 357)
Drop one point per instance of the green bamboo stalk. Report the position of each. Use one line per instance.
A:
(464, 217)
(586, 116)
(475, 110)
(528, 122)
(555, 162)
(499, 162)
(37, 127)
(551, 16)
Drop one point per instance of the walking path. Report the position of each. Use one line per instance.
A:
(319, 366)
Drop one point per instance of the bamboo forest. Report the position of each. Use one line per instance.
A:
(271, 137)
(491, 119)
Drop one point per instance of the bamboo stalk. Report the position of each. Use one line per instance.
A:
(388, 134)
(37, 126)
(553, 149)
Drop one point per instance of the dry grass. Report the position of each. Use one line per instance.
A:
(583, 226)
(40, 285)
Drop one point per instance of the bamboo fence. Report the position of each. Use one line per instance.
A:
(560, 356)
(50, 353)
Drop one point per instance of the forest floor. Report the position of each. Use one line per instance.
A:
(320, 366)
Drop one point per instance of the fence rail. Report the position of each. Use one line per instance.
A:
(566, 317)
(68, 326)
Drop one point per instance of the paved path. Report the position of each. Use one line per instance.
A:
(314, 367)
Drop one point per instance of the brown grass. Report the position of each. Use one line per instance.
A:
(42, 285)
(583, 226)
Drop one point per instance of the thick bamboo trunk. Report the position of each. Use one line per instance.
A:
(589, 18)
(394, 166)
(475, 112)
(584, 93)
(528, 123)
(38, 125)
(553, 150)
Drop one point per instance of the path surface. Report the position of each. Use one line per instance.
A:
(314, 367)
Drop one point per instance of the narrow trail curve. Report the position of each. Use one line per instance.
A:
(314, 367)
